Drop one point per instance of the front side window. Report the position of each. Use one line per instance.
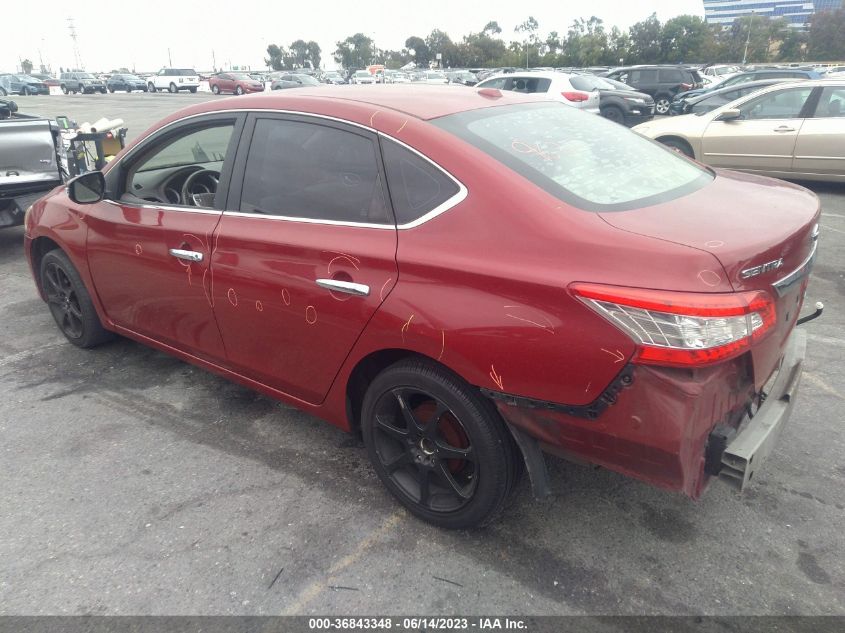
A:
(582, 159)
(831, 103)
(783, 104)
(643, 76)
(183, 169)
(313, 171)
(529, 84)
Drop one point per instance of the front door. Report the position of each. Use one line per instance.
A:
(149, 248)
(306, 254)
(763, 139)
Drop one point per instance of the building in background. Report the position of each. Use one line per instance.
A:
(796, 12)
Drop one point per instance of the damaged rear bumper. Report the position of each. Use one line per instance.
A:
(747, 451)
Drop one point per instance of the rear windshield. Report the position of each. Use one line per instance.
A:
(185, 72)
(581, 158)
(591, 82)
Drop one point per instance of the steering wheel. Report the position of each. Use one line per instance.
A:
(200, 193)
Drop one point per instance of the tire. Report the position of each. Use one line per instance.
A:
(678, 145)
(111, 90)
(239, 91)
(172, 88)
(64, 89)
(661, 104)
(151, 87)
(128, 90)
(102, 91)
(215, 89)
(69, 301)
(415, 414)
(614, 113)
(193, 91)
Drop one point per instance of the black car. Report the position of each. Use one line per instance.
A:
(12, 84)
(661, 82)
(723, 96)
(462, 77)
(617, 101)
(81, 82)
(126, 82)
(678, 103)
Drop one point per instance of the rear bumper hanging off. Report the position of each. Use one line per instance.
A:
(745, 453)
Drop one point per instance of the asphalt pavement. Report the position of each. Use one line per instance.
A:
(133, 483)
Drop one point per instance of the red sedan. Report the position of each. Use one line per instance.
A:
(469, 279)
(236, 83)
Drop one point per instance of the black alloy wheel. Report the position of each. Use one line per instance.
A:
(438, 445)
(69, 301)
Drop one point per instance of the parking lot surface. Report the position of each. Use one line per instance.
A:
(133, 483)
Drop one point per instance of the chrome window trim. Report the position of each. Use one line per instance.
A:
(455, 200)
(163, 207)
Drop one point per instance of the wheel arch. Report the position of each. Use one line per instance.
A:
(677, 139)
(40, 247)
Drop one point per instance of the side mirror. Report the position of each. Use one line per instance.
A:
(732, 114)
(88, 188)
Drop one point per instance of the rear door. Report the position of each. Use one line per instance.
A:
(820, 148)
(644, 80)
(763, 139)
(149, 248)
(304, 253)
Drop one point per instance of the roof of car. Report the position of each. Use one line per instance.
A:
(420, 101)
(547, 74)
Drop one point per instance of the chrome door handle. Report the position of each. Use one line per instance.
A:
(784, 128)
(350, 288)
(188, 256)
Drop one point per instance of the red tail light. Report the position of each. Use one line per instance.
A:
(575, 96)
(682, 329)
(685, 87)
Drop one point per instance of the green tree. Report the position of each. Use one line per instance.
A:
(793, 46)
(686, 38)
(356, 51)
(314, 54)
(421, 54)
(618, 47)
(26, 66)
(439, 42)
(529, 32)
(826, 38)
(645, 41)
(278, 58)
(586, 42)
(491, 28)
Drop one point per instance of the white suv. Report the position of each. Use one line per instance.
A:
(556, 85)
(174, 80)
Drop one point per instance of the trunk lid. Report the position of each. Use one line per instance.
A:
(759, 229)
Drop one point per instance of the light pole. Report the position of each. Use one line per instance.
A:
(748, 38)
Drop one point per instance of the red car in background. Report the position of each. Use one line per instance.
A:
(236, 83)
(468, 278)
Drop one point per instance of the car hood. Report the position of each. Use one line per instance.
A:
(691, 93)
(627, 93)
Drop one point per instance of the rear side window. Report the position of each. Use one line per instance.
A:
(528, 84)
(313, 171)
(670, 76)
(417, 187)
(583, 159)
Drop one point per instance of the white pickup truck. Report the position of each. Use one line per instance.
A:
(174, 80)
